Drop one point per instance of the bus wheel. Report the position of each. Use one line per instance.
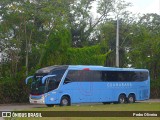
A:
(65, 101)
(49, 105)
(131, 98)
(122, 99)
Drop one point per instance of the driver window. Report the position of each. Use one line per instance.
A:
(52, 84)
(70, 77)
(67, 80)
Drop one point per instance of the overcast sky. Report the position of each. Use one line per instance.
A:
(138, 7)
(145, 6)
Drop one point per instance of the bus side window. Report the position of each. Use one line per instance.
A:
(71, 76)
(103, 75)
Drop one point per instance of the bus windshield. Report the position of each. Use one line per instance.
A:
(51, 83)
(37, 88)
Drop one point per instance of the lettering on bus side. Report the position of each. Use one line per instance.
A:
(119, 84)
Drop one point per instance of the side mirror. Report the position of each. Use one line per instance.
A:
(45, 77)
(28, 79)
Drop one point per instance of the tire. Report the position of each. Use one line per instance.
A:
(65, 101)
(131, 98)
(122, 99)
(49, 105)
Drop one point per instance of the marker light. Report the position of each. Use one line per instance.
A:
(86, 69)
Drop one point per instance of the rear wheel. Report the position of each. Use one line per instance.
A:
(122, 99)
(65, 101)
(131, 98)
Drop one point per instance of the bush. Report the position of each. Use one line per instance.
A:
(155, 88)
(93, 55)
(13, 92)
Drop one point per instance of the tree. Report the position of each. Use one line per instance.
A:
(83, 25)
(144, 52)
(26, 29)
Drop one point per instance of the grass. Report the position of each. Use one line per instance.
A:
(99, 107)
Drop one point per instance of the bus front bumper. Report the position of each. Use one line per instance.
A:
(37, 101)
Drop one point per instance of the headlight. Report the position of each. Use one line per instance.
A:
(51, 99)
(42, 97)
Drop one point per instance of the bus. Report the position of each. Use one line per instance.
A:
(68, 84)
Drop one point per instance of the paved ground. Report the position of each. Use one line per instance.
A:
(151, 100)
(10, 107)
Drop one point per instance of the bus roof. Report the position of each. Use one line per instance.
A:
(51, 68)
(85, 67)
(92, 67)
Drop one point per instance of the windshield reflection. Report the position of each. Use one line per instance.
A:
(37, 88)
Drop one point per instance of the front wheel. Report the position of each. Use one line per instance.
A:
(65, 101)
(122, 99)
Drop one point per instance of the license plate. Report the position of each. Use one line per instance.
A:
(35, 101)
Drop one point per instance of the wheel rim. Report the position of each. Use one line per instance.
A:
(121, 100)
(65, 102)
(131, 99)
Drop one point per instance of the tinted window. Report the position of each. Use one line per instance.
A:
(124, 76)
(37, 88)
(59, 74)
(52, 84)
(83, 75)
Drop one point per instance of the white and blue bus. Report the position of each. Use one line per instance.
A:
(69, 84)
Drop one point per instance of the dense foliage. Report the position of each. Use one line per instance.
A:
(39, 33)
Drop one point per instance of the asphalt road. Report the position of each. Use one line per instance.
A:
(11, 107)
